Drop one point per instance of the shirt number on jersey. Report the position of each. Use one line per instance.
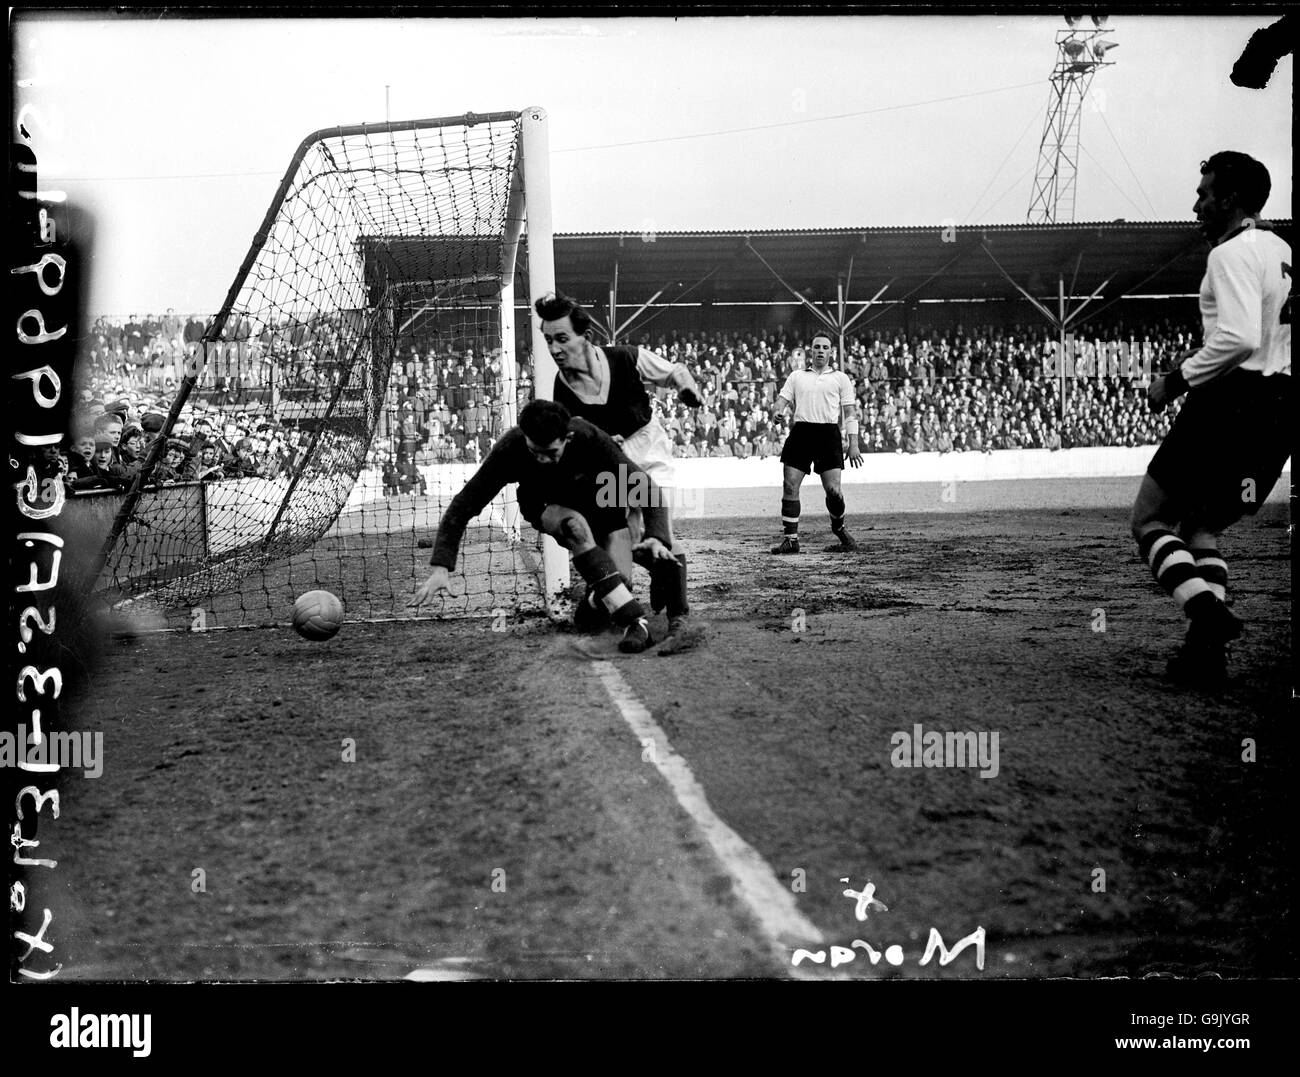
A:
(1284, 315)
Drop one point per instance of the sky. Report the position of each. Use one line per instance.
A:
(174, 132)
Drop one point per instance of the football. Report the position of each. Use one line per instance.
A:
(317, 615)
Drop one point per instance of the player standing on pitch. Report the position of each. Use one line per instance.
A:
(817, 397)
(557, 460)
(607, 387)
(1230, 440)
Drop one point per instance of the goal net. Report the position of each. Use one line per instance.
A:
(369, 352)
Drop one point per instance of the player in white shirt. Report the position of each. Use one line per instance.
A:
(817, 397)
(1231, 438)
(607, 387)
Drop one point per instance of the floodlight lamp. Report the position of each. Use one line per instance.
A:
(1073, 20)
(1073, 49)
(1103, 47)
(1099, 21)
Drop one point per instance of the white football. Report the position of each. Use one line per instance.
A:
(317, 615)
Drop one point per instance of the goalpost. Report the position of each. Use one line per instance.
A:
(371, 337)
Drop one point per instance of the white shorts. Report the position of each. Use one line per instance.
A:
(650, 449)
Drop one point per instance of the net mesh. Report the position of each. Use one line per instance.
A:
(364, 367)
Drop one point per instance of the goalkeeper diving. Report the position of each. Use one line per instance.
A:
(562, 466)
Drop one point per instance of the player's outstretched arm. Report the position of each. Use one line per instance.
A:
(489, 480)
(437, 585)
(655, 369)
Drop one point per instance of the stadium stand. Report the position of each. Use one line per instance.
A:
(976, 389)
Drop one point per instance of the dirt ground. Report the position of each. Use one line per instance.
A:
(499, 820)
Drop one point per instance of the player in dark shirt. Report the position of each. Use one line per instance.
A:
(562, 465)
(607, 386)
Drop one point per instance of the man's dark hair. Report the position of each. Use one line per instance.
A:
(544, 421)
(1240, 177)
(551, 308)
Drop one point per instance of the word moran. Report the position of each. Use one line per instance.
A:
(951, 749)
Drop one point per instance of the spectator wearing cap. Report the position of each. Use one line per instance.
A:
(455, 386)
(130, 455)
(205, 465)
(408, 429)
(476, 416)
(912, 438)
(152, 423)
(392, 478)
(409, 476)
(171, 470)
(244, 463)
(133, 335)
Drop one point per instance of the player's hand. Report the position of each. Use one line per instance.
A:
(618, 440)
(656, 549)
(1164, 390)
(855, 457)
(1156, 398)
(438, 584)
(690, 397)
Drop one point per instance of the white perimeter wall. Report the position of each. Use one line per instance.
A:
(445, 480)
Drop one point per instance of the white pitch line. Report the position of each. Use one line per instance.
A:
(783, 926)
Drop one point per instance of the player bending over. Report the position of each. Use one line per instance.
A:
(817, 397)
(557, 460)
(607, 387)
(1230, 440)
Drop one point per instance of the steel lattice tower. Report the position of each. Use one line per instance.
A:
(1079, 55)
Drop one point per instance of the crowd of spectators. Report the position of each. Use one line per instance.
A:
(114, 428)
(979, 390)
(961, 390)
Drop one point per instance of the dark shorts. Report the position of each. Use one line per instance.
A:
(603, 521)
(1227, 448)
(814, 447)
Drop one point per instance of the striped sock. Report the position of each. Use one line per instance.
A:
(790, 515)
(835, 506)
(1175, 570)
(608, 586)
(1213, 570)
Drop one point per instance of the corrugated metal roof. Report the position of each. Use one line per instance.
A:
(888, 229)
(914, 262)
(911, 262)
